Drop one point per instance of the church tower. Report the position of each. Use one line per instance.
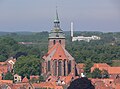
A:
(57, 61)
(56, 34)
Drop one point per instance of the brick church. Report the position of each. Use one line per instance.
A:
(58, 61)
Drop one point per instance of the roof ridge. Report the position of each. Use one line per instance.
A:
(59, 53)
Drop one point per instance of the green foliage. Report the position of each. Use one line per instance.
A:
(3, 58)
(8, 76)
(26, 66)
(87, 69)
(7, 47)
(34, 80)
(97, 73)
(105, 74)
(100, 74)
(115, 63)
(98, 51)
(30, 37)
(41, 79)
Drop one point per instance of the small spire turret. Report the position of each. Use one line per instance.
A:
(56, 21)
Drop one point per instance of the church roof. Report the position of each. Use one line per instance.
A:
(60, 53)
(56, 34)
(57, 52)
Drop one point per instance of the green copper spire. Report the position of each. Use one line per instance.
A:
(56, 21)
(57, 15)
(56, 32)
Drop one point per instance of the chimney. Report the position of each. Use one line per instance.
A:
(71, 29)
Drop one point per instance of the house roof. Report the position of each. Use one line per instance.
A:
(2, 63)
(104, 66)
(66, 79)
(43, 84)
(6, 81)
(25, 80)
(57, 52)
(114, 70)
(34, 76)
(3, 69)
(81, 65)
(101, 66)
(102, 83)
(16, 75)
(117, 86)
(47, 85)
(97, 65)
(21, 86)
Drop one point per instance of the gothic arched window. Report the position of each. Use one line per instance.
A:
(60, 41)
(48, 65)
(54, 42)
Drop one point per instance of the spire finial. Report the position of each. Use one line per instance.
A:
(56, 21)
(57, 18)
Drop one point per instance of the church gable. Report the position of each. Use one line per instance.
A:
(59, 53)
(57, 61)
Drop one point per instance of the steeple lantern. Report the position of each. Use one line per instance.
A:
(56, 34)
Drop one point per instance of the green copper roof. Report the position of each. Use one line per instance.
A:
(56, 35)
(56, 32)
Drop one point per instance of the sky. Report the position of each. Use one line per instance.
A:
(38, 15)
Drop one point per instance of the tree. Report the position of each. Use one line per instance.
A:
(8, 76)
(41, 79)
(81, 83)
(96, 73)
(105, 74)
(27, 65)
(36, 80)
(87, 69)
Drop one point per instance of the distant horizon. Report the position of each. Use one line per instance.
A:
(38, 15)
(49, 31)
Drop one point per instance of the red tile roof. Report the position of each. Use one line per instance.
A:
(104, 66)
(43, 85)
(21, 86)
(101, 66)
(35, 77)
(114, 70)
(97, 65)
(47, 85)
(102, 83)
(6, 81)
(117, 86)
(81, 65)
(51, 50)
(58, 52)
(2, 63)
(3, 69)
(25, 80)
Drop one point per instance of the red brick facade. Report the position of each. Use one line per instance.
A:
(52, 42)
(58, 62)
